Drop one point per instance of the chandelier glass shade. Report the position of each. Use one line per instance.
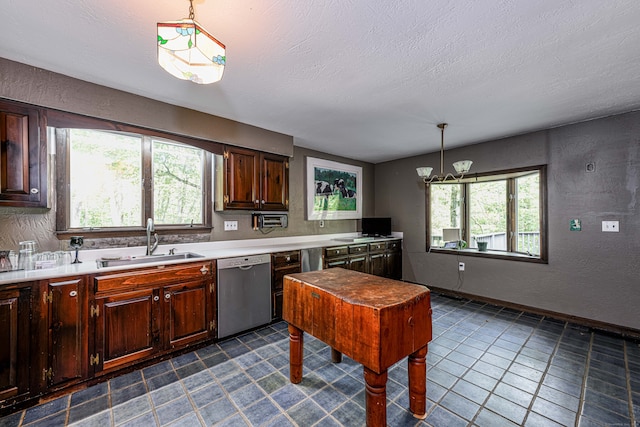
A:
(187, 51)
(461, 167)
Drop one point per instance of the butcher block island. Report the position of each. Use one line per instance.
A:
(373, 320)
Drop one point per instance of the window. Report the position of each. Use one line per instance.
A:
(177, 183)
(503, 210)
(116, 180)
(105, 172)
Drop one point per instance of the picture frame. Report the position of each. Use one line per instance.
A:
(334, 190)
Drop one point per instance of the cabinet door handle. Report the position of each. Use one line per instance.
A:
(156, 298)
(167, 296)
(34, 191)
(73, 293)
(204, 269)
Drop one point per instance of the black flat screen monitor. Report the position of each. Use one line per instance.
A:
(376, 227)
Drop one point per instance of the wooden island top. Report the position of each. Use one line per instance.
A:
(375, 321)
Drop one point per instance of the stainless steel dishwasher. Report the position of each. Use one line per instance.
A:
(244, 293)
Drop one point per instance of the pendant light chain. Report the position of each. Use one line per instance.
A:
(192, 14)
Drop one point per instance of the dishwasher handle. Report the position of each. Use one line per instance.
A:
(245, 267)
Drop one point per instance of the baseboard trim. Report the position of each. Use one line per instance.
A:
(582, 321)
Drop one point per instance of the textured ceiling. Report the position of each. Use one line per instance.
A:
(365, 79)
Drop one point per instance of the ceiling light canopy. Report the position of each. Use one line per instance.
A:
(461, 166)
(187, 51)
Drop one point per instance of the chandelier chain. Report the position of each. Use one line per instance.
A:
(192, 13)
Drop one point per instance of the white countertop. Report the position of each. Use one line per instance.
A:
(209, 250)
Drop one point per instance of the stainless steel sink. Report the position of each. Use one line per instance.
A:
(113, 262)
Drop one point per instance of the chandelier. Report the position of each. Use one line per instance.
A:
(187, 51)
(461, 166)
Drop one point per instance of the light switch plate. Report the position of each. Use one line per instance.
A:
(611, 226)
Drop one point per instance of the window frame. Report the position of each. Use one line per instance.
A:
(58, 119)
(510, 175)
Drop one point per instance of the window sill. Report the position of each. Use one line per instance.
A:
(512, 256)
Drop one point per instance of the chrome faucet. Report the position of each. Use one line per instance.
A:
(151, 229)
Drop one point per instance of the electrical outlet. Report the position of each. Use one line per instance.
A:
(321, 223)
(231, 226)
(461, 266)
(611, 226)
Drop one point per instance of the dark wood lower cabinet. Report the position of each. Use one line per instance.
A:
(351, 257)
(282, 263)
(394, 264)
(381, 258)
(127, 328)
(65, 314)
(378, 264)
(61, 332)
(15, 351)
(188, 313)
(359, 263)
(141, 314)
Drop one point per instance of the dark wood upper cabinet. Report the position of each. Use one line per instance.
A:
(23, 149)
(241, 178)
(255, 180)
(274, 182)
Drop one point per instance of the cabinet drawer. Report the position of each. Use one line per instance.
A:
(337, 262)
(143, 278)
(394, 245)
(358, 249)
(336, 251)
(280, 273)
(285, 258)
(377, 246)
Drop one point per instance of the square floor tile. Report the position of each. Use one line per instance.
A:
(506, 408)
(307, 413)
(460, 406)
(217, 411)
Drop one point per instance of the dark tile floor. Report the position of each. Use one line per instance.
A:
(487, 366)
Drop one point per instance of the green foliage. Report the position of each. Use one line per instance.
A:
(106, 181)
(445, 209)
(488, 210)
(488, 204)
(105, 176)
(334, 202)
(177, 183)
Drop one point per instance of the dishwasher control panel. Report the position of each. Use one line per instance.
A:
(243, 261)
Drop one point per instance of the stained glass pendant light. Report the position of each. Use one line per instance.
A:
(187, 51)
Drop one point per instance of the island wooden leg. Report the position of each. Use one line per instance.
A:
(376, 398)
(418, 383)
(336, 356)
(296, 348)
